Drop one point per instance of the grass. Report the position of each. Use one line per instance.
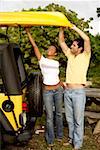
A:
(38, 141)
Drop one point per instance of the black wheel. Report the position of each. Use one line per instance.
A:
(6, 137)
(34, 95)
(1, 140)
(1, 137)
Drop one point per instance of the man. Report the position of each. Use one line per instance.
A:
(74, 96)
(52, 92)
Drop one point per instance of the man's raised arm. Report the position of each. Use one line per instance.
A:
(62, 43)
(87, 47)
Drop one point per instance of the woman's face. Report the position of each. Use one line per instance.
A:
(51, 51)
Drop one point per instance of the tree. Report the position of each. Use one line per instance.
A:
(45, 36)
(94, 71)
(98, 12)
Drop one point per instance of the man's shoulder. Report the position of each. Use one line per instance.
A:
(87, 53)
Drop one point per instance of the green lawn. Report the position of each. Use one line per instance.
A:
(38, 141)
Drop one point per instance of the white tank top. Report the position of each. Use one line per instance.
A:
(50, 71)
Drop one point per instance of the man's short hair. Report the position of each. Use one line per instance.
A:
(80, 43)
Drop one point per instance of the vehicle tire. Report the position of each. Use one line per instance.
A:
(6, 138)
(1, 140)
(1, 137)
(34, 95)
(11, 139)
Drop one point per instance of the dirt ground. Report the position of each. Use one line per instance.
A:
(38, 141)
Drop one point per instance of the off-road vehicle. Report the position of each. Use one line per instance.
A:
(20, 95)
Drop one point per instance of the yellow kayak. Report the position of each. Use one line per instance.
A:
(34, 19)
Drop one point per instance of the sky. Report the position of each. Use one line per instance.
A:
(84, 8)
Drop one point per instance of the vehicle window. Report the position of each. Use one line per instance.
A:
(1, 85)
(20, 65)
(21, 69)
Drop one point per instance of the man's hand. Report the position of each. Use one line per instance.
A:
(27, 30)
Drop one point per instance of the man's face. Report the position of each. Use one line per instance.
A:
(74, 48)
(51, 51)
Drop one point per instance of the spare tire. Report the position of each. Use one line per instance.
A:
(35, 95)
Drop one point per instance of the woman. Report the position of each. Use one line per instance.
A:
(52, 93)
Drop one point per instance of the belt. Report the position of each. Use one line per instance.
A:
(51, 87)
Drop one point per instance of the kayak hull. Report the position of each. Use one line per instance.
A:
(37, 18)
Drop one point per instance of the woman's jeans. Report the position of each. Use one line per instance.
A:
(74, 100)
(53, 99)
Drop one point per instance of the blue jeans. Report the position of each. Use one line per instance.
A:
(74, 100)
(53, 98)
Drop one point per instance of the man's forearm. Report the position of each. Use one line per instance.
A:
(62, 43)
(80, 32)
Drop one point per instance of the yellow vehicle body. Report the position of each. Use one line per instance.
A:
(17, 101)
(20, 105)
(34, 18)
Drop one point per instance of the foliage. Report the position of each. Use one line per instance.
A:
(94, 71)
(47, 35)
(98, 11)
